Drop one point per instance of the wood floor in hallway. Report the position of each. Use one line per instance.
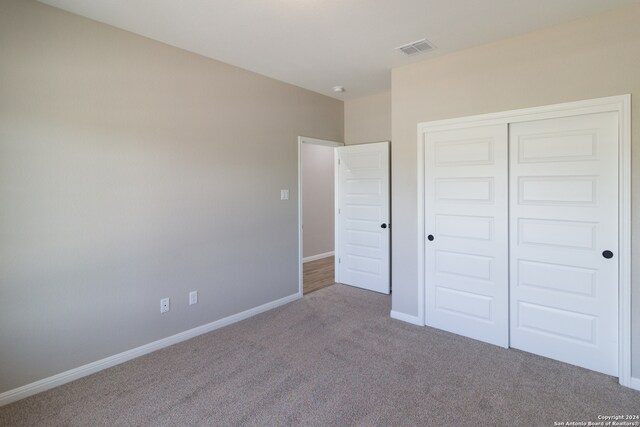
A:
(318, 274)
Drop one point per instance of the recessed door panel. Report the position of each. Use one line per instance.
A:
(569, 190)
(558, 233)
(464, 190)
(464, 306)
(464, 226)
(557, 146)
(366, 239)
(556, 277)
(557, 324)
(364, 186)
(463, 264)
(563, 216)
(466, 259)
(471, 152)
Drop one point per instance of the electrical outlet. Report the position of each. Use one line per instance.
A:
(164, 305)
(193, 297)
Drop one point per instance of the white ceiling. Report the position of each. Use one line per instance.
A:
(318, 44)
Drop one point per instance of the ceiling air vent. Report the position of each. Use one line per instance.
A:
(416, 47)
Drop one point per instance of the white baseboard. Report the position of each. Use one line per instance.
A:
(93, 367)
(635, 383)
(414, 320)
(319, 256)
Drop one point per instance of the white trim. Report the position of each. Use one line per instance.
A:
(421, 232)
(336, 219)
(634, 383)
(414, 320)
(93, 367)
(317, 257)
(300, 233)
(620, 104)
(314, 141)
(598, 105)
(624, 242)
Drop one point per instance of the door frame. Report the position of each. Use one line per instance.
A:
(620, 104)
(314, 141)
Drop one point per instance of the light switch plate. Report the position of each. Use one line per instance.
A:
(284, 194)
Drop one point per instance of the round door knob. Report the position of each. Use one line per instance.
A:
(607, 254)
(430, 237)
(383, 226)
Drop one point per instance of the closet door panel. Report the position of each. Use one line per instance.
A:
(563, 217)
(466, 241)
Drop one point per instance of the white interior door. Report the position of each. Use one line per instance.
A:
(362, 216)
(564, 216)
(466, 250)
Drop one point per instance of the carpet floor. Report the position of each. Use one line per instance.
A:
(333, 358)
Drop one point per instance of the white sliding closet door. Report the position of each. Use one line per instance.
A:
(466, 250)
(564, 239)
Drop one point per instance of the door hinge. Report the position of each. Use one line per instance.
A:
(338, 161)
(339, 260)
(339, 211)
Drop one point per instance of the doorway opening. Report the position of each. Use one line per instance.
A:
(316, 213)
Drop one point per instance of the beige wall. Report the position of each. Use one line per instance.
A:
(131, 171)
(316, 163)
(590, 58)
(368, 119)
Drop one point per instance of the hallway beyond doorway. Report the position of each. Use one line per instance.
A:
(318, 274)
